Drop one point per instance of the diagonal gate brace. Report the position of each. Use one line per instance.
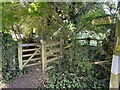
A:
(31, 57)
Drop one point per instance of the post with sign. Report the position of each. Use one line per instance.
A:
(115, 68)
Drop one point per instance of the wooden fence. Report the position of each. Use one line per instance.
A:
(44, 54)
(51, 51)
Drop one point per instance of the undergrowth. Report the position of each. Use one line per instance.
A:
(77, 73)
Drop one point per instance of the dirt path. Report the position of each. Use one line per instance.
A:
(32, 79)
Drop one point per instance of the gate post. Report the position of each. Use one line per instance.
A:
(43, 57)
(20, 55)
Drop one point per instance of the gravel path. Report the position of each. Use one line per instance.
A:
(32, 79)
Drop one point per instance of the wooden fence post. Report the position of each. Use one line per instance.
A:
(43, 57)
(20, 55)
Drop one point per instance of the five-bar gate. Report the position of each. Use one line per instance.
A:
(45, 54)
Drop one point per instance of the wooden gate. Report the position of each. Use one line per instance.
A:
(32, 54)
(29, 54)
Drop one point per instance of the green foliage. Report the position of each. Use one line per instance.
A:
(37, 8)
(76, 69)
(9, 58)
(56, 20)
(78, 72)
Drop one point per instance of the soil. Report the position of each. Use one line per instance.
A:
(32, 79)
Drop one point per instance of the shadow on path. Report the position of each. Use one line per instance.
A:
(32, 79)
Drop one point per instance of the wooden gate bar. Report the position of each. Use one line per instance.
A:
(53, 51)
(48, 68)
(52, 59)
(28, 44)
(30, 54)
(53, 44)
(32, 59)
(26, 50)
(33, 64)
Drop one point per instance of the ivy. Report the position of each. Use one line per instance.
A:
(9, 58)
(77, 73)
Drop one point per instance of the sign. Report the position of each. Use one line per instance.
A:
(103, 21)
(115, 68)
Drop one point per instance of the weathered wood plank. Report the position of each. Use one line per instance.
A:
(32, 64)
(52, 51)
(20, 56)
(52, 44)
(44, 58)
(100, 62)
(27, 44)
(26, 50)
(68, 46)
(52, 59)
(48, 68)
(34, 59)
